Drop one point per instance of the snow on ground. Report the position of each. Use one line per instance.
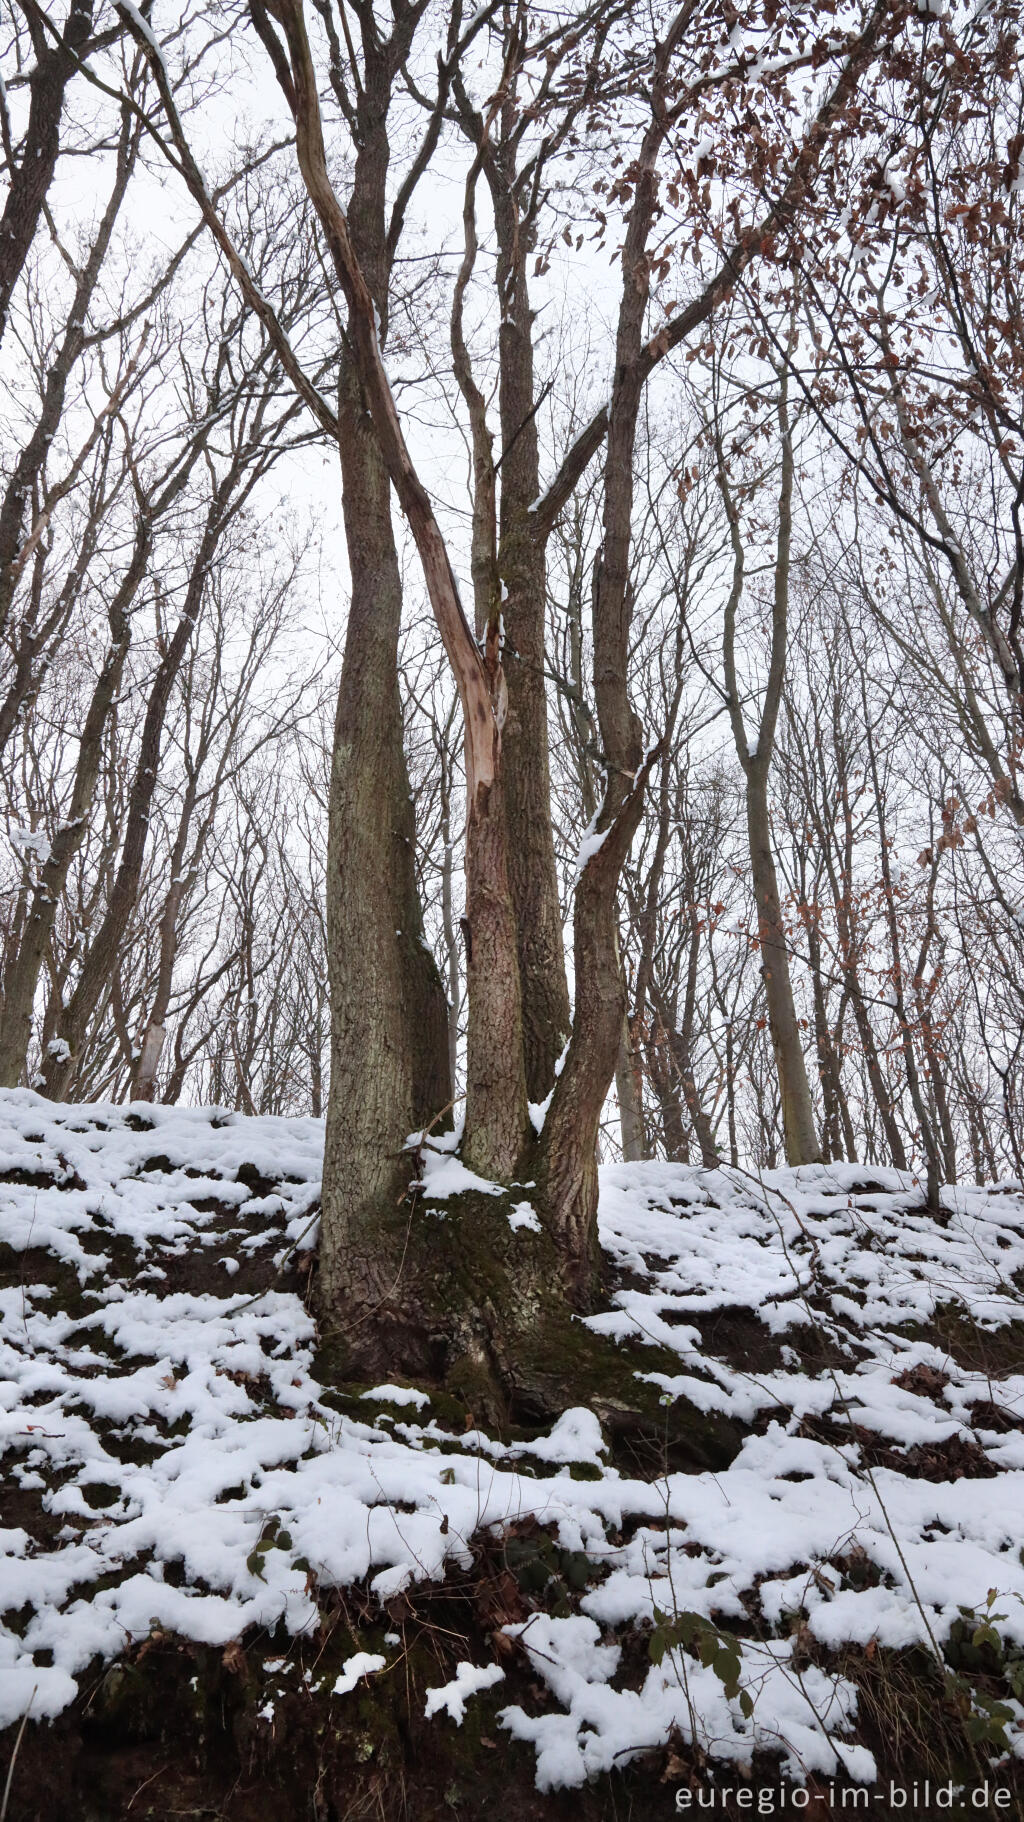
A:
(170, 1461)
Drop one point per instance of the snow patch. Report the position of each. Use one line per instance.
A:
(523, 1216)
(469, 1679)
(364, 1663)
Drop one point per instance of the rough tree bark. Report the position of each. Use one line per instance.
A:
(521, 566)
(495, 1082)
(389, 1052)
(390, 1067)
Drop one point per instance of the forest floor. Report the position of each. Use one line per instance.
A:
(228, 1592)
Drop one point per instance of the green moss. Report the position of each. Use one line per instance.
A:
(99, 1493)
(501, 1347)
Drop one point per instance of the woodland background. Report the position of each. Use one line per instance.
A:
(173, 586)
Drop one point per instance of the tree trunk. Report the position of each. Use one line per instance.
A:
(889, 900)
(568, 1150)
(828, 1063)
(21, 974)
(30, 180)
(144, 1079)
(631, 1120)
(800, 1136)
(514, 552)
(680, 1050)
(847, 927)
(146, 1062)
(663, 1075)
(879, 1086)
(801, 1139)
(457, 1289)
(566, 1165)
(389, 1039)
(448, 924)
(496, 1099)
(527, 779)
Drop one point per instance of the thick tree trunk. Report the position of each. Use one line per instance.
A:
(457, 1289)
(496, 1099)
(390, 1061)
(389, 1038)
(527, 780)
(148, 1064)
(448, 924)
(495, 1079)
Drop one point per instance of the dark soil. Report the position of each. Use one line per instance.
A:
(253, 1733)
(176, 1730)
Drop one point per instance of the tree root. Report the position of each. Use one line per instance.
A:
(477, 1315)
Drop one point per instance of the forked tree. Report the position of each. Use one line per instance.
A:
(468, 1297)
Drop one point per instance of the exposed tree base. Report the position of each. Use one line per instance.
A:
(476, 1311)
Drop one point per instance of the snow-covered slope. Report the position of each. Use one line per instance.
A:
(170, 1461)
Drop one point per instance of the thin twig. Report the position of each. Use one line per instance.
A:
(14, 1755)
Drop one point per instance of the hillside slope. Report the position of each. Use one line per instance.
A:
(205, 1553)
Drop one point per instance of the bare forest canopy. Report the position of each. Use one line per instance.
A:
(511, 567)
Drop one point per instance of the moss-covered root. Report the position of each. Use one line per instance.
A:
(477, 1310)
